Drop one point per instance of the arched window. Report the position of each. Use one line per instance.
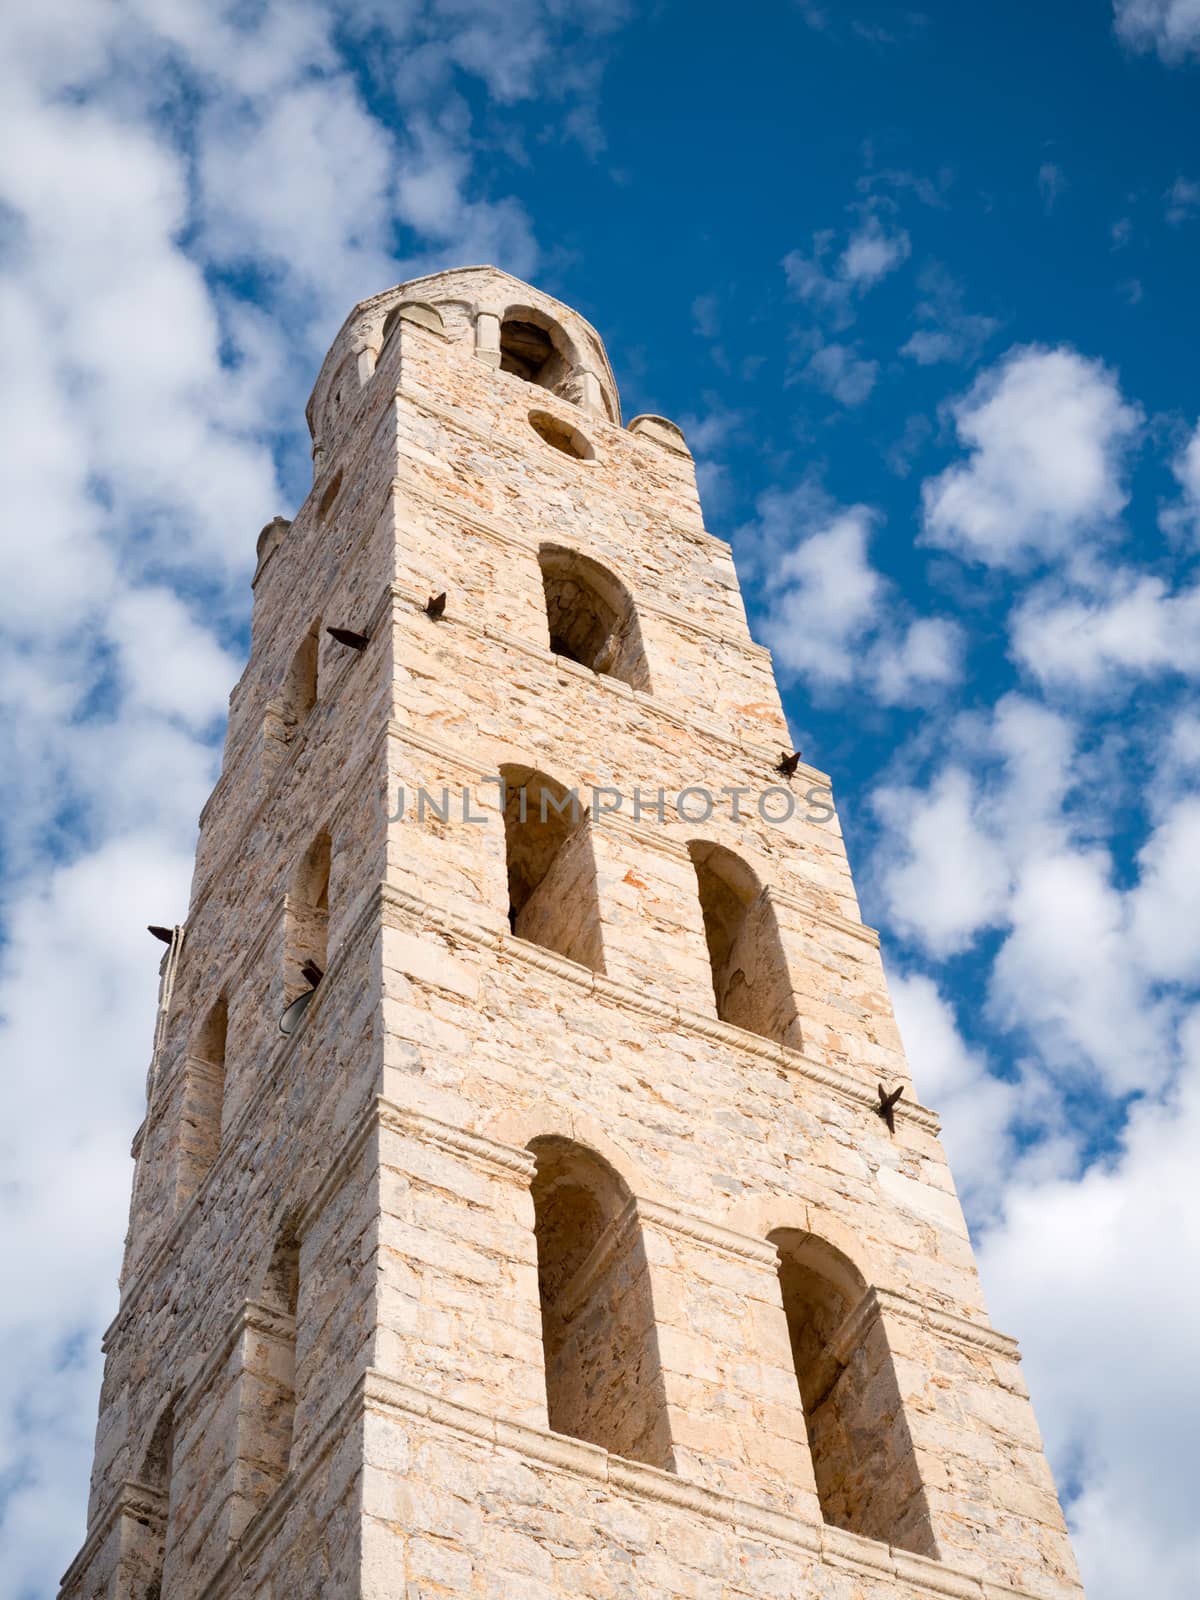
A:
(862, 1454)
(155, 1470)
(159, 1456)
(204, 1093)
(552, 896)
(300, 685)
(750, 976)
(271, 1412)
(603, 1374)
(591, 616)
(307, 919)
(529, 350)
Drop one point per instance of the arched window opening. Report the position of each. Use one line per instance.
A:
(325, 504)
(750, 977)
(159, 1457)
(204, 1094)
(862, 1455)
(300, 686)
(591, 616)
(308, 918)
(155, 1471)
(603, 1374)
(552, 895)
(269, 1407)
(529, 352)
(281, 1286)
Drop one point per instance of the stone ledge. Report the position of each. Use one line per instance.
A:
(377, 1391)
(250, 1314)
(607, 684)
(604, 987)
(129, 1498)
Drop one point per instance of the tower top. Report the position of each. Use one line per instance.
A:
(494, 316)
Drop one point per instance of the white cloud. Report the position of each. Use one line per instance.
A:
(1183, 201)
(832, 282)
(1074, 1266)
(1170, 27)
(949, 332)
(872, 252)
(947, 877)
(1184, 516)
(841, 372)
(828, 596)
(1102, 641)
(1049, 434)
(1167, 894)
(928, 653)
(832, 619)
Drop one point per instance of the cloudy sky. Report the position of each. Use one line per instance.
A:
(921, 288)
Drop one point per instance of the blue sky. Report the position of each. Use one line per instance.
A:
(920, 289)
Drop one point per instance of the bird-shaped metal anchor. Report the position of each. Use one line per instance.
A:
(165, 934)
(887, 1106)
(788, 763)
(435, 606)
(347, 636)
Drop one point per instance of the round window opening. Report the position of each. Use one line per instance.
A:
(561, 435)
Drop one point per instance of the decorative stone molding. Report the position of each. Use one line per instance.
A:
(251, 1315)
(735, 1039)
(375, 1391)
(670, 1218)
(130, 1499)
(505, 1159)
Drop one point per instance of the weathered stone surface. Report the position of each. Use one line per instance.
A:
(559, 1251)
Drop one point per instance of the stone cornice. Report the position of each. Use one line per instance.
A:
(469, 931)
(251, 1315)
(690, 723)
(129, 1498)
(949, 1324)
(759, 1251)
(377, 1392)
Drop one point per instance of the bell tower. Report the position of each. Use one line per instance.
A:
(558, 1247)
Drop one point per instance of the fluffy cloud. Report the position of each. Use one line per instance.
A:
(840, 371)
(1171, 27)
(1049, 434)
(831, 618)
(1081, 1222)
(1183, 201)
(831, 280)
(1001, 839)
(948, 332)
(1076, 1263)
(1127, 628)
(1184, 516)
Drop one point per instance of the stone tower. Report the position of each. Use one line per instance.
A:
(558, 1249)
